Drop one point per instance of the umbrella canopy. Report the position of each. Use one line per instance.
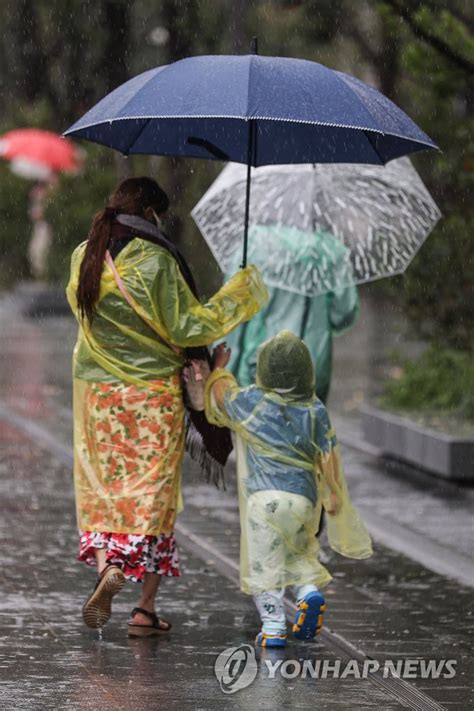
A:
(252, 109)
(38, 154)
(318, 228)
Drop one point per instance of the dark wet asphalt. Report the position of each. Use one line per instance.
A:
(48, 659)
(390, 607)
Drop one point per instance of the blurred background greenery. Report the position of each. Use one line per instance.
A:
(58, 58)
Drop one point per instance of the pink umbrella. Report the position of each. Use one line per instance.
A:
(38, 154)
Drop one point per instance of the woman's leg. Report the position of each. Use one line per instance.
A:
(151, 583)
(98, 606)
(100, 559)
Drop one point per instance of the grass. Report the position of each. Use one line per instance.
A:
(439, 384)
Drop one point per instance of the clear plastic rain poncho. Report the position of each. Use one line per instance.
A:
(289, 468)
(128, 409)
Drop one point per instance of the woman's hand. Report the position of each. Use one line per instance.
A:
(221, 355)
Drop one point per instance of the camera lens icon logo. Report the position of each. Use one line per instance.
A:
(236, 668)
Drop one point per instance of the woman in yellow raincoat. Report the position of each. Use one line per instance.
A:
(131, 294)
(289, 468)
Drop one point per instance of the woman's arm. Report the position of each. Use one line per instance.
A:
(188, 322)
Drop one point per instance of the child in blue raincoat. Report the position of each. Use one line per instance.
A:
(289, 468)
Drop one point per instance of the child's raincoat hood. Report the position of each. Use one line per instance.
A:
(284, 365)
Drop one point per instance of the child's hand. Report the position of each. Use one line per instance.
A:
(221, 355)
(334, 505)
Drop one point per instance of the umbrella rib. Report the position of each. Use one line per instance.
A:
(374, 147)
(160, 71)
(359, 101)
(369, 113)
(135, 138)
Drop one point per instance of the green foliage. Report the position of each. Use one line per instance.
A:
(57, 59)
(197, 176)
(443, 24)
(435, 88)
(16, 228)
(72, 205)
(440, 381)
(438, 288)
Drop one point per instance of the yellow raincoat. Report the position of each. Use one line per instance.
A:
(289, 468)
(128, 409)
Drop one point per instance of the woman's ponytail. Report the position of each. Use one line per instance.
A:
(93, 261)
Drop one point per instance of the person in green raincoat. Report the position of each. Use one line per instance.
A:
(315, 319)
(137, 310)
(289, 468)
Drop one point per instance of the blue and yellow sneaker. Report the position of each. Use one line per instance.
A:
(270, 640)
(309, 617)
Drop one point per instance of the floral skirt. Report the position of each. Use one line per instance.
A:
(136, 554)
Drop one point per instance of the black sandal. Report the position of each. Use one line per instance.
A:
(153, 630)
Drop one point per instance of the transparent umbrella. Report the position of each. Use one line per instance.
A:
(316, 228)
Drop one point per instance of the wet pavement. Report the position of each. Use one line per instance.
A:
(48, 659)
(390, 607)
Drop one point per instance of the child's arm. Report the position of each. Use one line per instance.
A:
(329, 463)
(220, 357)
(219, 384)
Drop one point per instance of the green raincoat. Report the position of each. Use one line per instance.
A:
(314, 319)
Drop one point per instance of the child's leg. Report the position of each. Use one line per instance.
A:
(300, 591)
(272, 612)
(265, 550)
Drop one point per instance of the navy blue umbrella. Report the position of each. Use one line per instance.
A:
(254, 110)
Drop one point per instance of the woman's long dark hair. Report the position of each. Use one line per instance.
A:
(132, 197)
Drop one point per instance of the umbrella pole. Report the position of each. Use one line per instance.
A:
(247, 192)
(250, 160)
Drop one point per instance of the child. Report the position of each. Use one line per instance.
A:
(289, 468)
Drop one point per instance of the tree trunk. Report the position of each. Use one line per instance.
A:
(182, 28)
(29, 60)
(236, 35)
(118, 41)
(117, 50)
(388, 64)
